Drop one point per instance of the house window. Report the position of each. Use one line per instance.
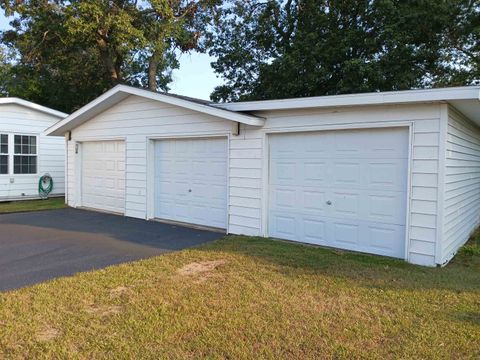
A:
(25, 154)
(3, 153)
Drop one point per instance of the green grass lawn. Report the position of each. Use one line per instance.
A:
(251, 298)
(32, 205)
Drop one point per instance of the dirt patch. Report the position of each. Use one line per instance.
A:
(203, 267)
(119, 290)
(48, 333)
(104, 310)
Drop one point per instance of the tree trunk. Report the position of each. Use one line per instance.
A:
(109, 61)
(152, 72)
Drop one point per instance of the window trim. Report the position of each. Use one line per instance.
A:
(7, 154)
(11, 154)
(14, 154)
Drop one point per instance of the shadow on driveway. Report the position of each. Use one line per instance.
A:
(38, 246)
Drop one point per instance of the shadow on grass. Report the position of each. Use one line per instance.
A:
(461, 275)
(468, 317)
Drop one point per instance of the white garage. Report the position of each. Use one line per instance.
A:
(345, 189)
(394, 174)
(191, 181)
(103, 175)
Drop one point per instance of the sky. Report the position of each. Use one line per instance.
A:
(194, 78)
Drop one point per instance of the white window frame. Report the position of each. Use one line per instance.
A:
(7, 153)
(13, 154)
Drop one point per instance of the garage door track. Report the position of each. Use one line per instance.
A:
(38, 246)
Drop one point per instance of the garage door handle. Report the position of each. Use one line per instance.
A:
(329, 202)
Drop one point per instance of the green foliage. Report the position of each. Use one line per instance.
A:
(66, 53)
(277, 49)
(472, 247)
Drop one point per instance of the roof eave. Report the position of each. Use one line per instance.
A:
(120, 92)
(385, 98)
(31, 105)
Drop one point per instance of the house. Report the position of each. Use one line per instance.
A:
(394, 173)
(26, 153)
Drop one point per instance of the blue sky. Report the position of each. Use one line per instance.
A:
(195, 77)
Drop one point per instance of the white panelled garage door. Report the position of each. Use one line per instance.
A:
(103, 175)
(345, 189)
(191, 181)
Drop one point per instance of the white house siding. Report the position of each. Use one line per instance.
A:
(135, 120)
(16, 119)
(247, 179)
(462, 183)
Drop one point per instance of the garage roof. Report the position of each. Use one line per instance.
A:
(121, 92)
(31, 105)
(466, 99)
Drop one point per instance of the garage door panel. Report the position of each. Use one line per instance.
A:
(345, 234)
(216, 214)
(163, 208)
(284, 198)
(284, 172)
(198, 167)
(315, 231)
(387, 175)
(363, 205)
(103, 175)
(353, 196)
(346, 173)
(314, 201)
(110, 184)
(182, 210)
(191, 181)
(383, 174)
(314, 172)
(292, 226)
(345, 204)
(379, 239)
(284, 225)
(182, 168)
(216, 193)
(361, 174)
(385, 238)
(387, 208)
(218, 168)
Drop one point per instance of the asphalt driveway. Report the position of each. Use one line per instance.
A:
(38, 246)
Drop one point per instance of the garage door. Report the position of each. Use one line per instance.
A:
(103, 175)
(345, 189)
(191, 181)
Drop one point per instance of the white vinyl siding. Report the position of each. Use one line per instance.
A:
(19, 120)
(435, 177)
(423, 180)
(136, 120)
(462, 183)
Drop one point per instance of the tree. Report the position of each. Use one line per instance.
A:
(4, 71)
(69, 52)
(276, 49)
(108, 26)
(461, 58)
(47, 65)
(170, 27)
